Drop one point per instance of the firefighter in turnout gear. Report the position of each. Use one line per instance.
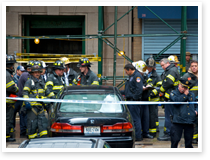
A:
(169, 83)
(34, 88)
(192, 77)
(11, 90)
(86, 77)
(153, 80)
(55, 82)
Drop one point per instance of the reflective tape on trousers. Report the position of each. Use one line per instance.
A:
(98, 102)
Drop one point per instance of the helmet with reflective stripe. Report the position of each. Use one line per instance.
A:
(140, 66)
(36, 66)
(65, 60)
(10, 59)
(173, 59)
(30, 63)
(84, 62)
(58, 65)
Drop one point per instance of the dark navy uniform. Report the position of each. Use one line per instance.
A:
(133, 92)
(184, 117)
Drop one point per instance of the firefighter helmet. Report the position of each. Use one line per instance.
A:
(36, 66)
(43, 64)
(65, 60)
(173, 59)
(10, 59)
(140, 66)
(30, 63)
(84, 62)
(58, 65)
(150, 62)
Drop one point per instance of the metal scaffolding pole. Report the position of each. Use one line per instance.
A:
(115, 46)
(183, 40)
(100, 42)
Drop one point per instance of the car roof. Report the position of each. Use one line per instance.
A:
(90, 87)
(60, 142)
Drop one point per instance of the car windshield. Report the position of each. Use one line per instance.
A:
(95, 108)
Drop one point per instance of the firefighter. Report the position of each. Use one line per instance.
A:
(35, 88)
(11, 90)
(69, 73)
(192, 77)
(153, 80)
(86, 77)
(54, 81)
(133, 92)
(169, 83)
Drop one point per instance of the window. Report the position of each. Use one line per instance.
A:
(95, 108)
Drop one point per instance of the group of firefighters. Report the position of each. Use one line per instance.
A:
(143, 84)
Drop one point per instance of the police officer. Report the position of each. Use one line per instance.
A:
(86, 77)
(184, 115)
(35, 88)
(133, 92)
(169, 83)
(69, 73)
(11, 90)
(192, 77)
(55, 82)
(153, 80)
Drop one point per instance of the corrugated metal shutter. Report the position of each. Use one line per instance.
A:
(153, 45)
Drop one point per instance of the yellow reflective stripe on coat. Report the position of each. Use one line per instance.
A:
(162, 89)
(194, 88)
(11, 130)
(35, 104)
(176, 83)
(57, 87)
(171, 77)
(167, 95)
(150, 84)
(149, 79)
(74, 81)
(25, 96)
(159, 83)
(51, 94)
(157, 123)
(32, 136)
(41, 90)
(195, 136)
(7, 136)
(10, 84)
(48, 83)
(34, 91)
(95, 83)
(10, 101)
(154, 99)
(26, 89)
(43, 133)
(155, 91)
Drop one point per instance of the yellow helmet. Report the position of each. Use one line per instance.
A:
(65, 60)
(140, 66)
(173, 59)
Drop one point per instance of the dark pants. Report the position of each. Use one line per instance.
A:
(36, 120)
(195, 134)
(153, 118)
(145, 119)
(23, 117)
(9, 118)
(176, 134)
(135, 113)
(168, 113)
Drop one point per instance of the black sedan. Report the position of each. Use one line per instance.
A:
(110, 122)
(64, 142)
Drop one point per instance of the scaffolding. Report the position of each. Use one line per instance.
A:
(103, 38)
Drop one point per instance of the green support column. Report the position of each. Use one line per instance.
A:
(100, 42)
(115, 46)
(183, 40)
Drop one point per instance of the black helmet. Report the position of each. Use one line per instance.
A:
(10, 59)
(84, 62)
(59, 65)
(150, 62)
(36, 66)
(29, 64)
